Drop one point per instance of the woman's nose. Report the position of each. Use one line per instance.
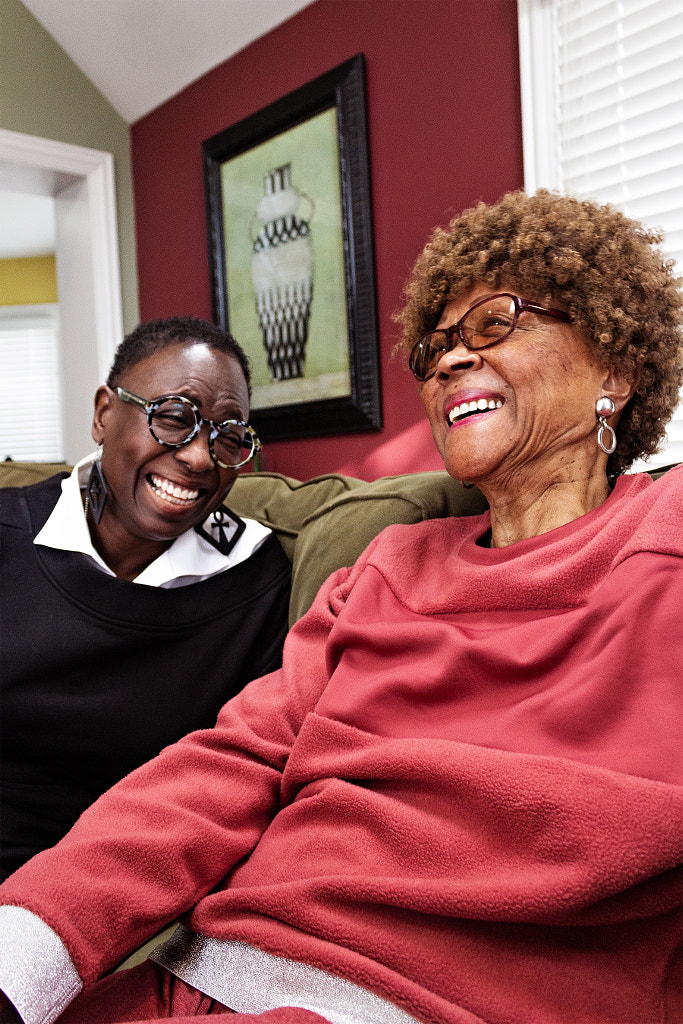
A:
(196, 454)
(458, 358)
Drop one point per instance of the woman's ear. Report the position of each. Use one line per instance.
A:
(103, 403)
(618, 388)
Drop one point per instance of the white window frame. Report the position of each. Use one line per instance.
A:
(539, 96)
(538, 89)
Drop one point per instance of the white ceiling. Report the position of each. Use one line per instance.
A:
(138, 53)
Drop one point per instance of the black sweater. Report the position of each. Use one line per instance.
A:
(98, 674)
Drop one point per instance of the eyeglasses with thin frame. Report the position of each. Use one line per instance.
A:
(174, 421)
(487, 322)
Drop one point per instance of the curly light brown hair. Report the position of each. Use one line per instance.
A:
(602, 267)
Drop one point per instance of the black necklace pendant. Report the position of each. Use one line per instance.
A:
(97, 491)
(222, 542)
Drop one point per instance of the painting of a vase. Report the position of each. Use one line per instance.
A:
(282, 274)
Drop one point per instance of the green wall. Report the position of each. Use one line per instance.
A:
(42, 92)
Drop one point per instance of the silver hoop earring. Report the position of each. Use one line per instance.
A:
(604, 407)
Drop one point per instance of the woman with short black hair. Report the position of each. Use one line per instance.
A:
(134, 602)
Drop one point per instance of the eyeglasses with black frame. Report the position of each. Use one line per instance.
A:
(174, 421)
(487, 322)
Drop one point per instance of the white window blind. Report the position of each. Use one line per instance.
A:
(30, 385)
(602, 112)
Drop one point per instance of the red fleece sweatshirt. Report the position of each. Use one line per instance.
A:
(463, 791)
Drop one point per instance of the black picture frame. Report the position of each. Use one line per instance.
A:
(338, 96)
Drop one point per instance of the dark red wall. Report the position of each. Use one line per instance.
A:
(445, 131)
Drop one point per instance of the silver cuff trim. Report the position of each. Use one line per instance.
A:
(248, 980)
(36, 971)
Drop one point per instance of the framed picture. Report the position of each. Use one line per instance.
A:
(291, 254)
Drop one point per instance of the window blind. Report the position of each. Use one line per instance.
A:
(30, 386)
(602, 110)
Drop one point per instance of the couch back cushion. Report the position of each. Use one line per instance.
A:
(20, 474)
(336, 533)
(326, 522)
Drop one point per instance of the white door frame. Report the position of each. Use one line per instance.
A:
(81, 181)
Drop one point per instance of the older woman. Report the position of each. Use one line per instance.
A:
(461, 798)
(134, 603)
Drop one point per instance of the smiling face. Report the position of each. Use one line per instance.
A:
(523, 407)
(157, 493)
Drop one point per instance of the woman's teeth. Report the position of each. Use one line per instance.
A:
(467, 408)
(172, 493)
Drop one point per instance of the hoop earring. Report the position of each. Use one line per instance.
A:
(604, 407)
(96, 491)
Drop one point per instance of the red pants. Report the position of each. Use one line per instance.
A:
(148, 993)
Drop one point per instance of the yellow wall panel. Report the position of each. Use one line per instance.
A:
(28, 280)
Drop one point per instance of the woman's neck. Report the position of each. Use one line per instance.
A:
(536, 506)
(126, 556)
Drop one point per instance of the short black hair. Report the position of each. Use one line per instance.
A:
(149, 337)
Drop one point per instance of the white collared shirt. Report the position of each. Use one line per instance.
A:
(189, 559)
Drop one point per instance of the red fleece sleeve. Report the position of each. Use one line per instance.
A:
(167, 834)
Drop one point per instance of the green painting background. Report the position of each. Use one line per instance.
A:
(312, 150)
